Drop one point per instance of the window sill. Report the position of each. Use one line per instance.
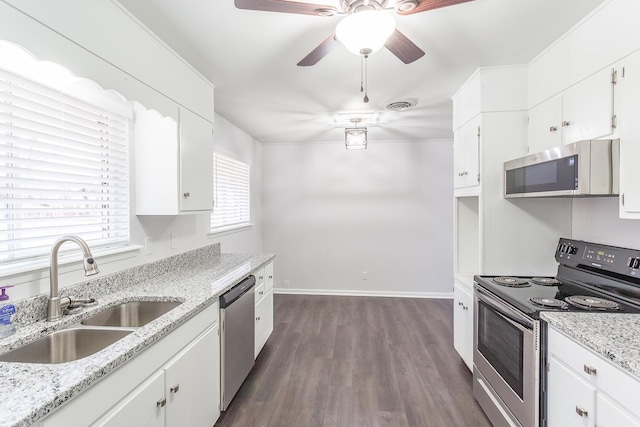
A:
(223, 231)
(40, 265)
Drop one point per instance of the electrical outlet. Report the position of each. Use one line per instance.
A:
(148, 245)
(174, 241)
(286, 283)
(365, 275)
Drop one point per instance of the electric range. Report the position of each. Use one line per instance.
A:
(509, 343)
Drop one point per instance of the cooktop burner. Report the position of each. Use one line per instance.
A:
(591, 303)
(549, 302)
(512, 282)
(545, 281)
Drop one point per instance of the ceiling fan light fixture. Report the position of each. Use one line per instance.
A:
(366, 31)
(326, 11)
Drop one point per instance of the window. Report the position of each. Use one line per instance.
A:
(63, 167)
(231, 193)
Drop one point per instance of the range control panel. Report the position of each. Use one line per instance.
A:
(575, 253)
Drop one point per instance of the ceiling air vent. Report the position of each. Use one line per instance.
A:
(401, 105)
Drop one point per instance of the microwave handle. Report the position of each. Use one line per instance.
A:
(505, 311)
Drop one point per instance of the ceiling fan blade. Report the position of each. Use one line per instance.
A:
(403, 48)
(425, 5)
(319, 52)
(284, 6)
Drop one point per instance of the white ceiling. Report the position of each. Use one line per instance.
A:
(251, 59)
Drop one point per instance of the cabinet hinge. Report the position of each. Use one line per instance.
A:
(623, 72)
(548, 367)
(614, 121)
(614, 77)
(478, 178)
(622, 199)
(478, 131)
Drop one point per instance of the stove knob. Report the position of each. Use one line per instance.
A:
(636, 263)
(573, 250)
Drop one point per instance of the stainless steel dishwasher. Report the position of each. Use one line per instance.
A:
(237, 323)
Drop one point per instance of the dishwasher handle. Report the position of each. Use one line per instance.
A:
(237, 291)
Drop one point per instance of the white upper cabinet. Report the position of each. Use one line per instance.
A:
(586, 110)
(173, 163)
(629, 78)
(545, 124)
(196, 163)
(466, 150)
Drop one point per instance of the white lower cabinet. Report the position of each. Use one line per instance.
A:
(463, 323)
(263, 308)
(141, 407)
(173, 383)
(585, 389)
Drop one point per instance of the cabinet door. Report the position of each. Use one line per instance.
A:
(587, 108)
(545, 125)
(192, 383)
(264, 322)
(629, 118)
(466, 154)
(571, 401)
(610, 414)
(144, 407)
(463, 323)
(196, 162)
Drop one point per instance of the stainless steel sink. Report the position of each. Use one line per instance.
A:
(66, 345)
(131, 314)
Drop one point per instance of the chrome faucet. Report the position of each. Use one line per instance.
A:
(56, 305)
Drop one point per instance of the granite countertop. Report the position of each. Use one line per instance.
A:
(30, 391)
(614, 336)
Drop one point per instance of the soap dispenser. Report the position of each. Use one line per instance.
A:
(7, 311)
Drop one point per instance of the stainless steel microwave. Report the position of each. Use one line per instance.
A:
(584, 168)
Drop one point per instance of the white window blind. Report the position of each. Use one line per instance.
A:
(63, 170)
(231, 193)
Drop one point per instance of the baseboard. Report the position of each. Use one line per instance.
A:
(354, 293)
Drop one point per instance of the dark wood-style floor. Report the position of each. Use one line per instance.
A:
(357, 361)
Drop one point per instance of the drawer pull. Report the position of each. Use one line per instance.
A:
(175, 388)
(161, 402)
(590, 370)
(553, 128)
(581, 412)
(261, 292)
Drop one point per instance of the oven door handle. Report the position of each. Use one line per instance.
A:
(504, 311)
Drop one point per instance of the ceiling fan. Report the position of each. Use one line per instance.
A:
(397, 43)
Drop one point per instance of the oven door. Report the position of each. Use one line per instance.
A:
(506, 354)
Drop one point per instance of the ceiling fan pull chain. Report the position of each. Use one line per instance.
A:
(366, 96)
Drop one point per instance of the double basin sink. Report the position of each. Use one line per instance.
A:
(91, 335)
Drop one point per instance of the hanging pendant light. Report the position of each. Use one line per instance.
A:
(355, 138)
(366, 31)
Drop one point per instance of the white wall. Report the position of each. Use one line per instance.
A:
(596, 220)
(331, 214)
(118, 62)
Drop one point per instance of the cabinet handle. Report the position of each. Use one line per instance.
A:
(258, 318)
(581, 412)
(553, 128)
(590, 370)
(161, 402)
(270, 277)
(261, 292)
(460, 303)
(566, 123)
(175, 388)
(186, 195)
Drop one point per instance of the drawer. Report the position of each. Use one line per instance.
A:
(259, 276)
(268, 276)
(620, 385)
(259, 292)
